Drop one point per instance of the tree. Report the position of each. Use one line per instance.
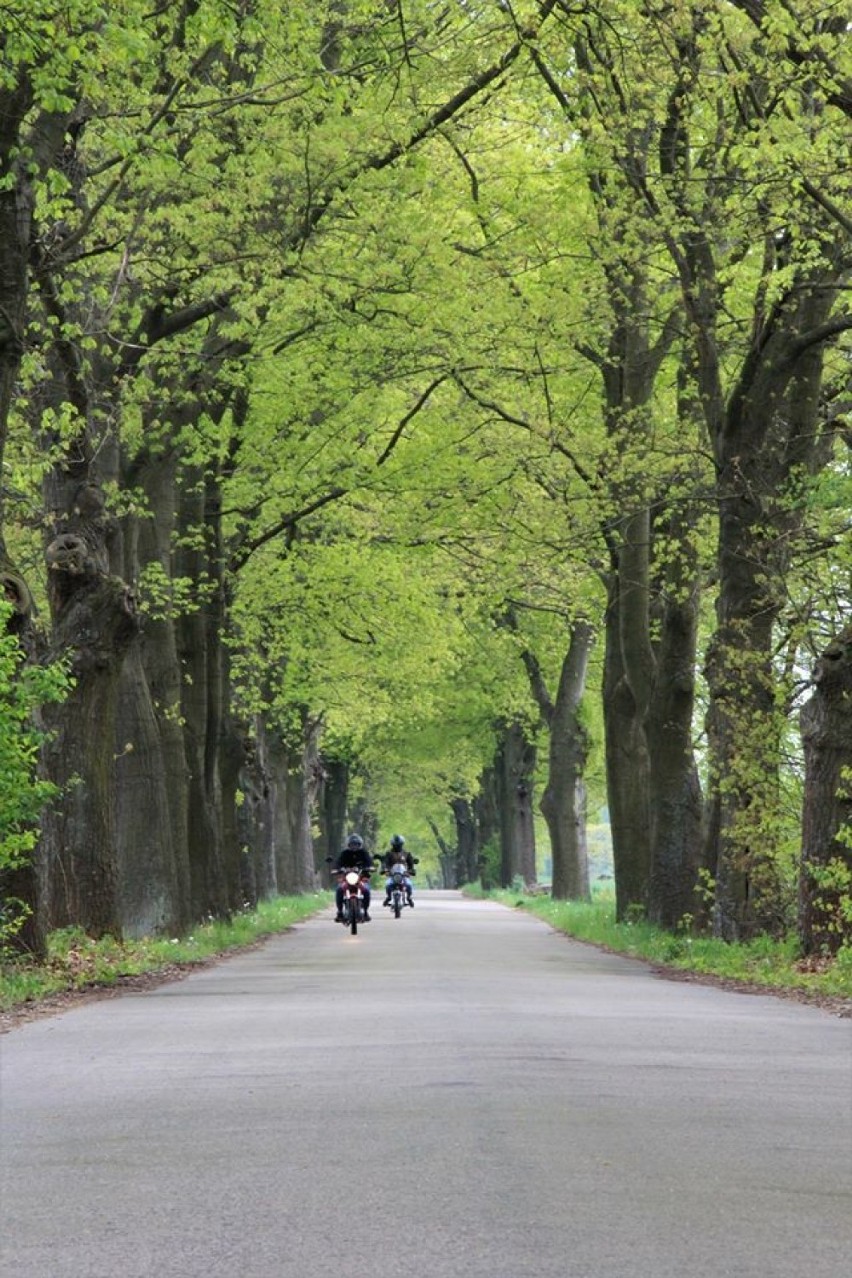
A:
(825, 889)
(150, 295)
(509, 304)
(707, 169)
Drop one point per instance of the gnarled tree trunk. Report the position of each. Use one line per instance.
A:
(94, 621)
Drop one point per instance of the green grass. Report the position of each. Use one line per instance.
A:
(763, 961)
(76, 962)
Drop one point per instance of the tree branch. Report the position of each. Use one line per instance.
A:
(395, 437)
(161, 326)
(823, 333)
(829, 206)
(841, 95)
(241, 556)
(538, 687)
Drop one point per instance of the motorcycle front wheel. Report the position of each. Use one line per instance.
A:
(353, 917)
(397, 904)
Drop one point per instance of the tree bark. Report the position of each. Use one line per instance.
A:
(149, 895)
(768, 435)
(825, 879)
(631, 670)
(467, 842)
(563, 803)
(293, 771)
(486, 811)
(147, 544)
(254, 819)
(515, 769)
(333, 803)
(674, 785)
(213, 868)
(448, 857)
(96, 623)
(304, 790)
(627, 774)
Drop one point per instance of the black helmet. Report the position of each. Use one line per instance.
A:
(355, 843)
(397, 841)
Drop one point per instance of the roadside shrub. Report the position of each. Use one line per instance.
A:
(24, 688)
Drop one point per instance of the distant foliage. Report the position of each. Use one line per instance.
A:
(23, 688)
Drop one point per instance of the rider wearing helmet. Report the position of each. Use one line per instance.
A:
(395, 854)
(354, 856)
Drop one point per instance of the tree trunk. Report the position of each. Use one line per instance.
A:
(333, 803)
(293, 781)
(825, 881)
(515, 771)
(147, 544)
(198, 654)
(149, 895)
(279, 759)
(486, 809)
(742, 729)
(627, 775)
(448, 857)
(467, 842)
(304, 790)
(232, 759)
(770, 436)
(254, 820)
(629, 371)
(96, 622)
(563, 803)
(674, 785)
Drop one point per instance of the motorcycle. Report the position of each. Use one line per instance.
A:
(352, 907)
(397, 890)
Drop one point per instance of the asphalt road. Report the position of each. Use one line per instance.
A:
(462, 1092)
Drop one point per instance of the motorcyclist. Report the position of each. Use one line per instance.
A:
(395, 855)
(354, 856)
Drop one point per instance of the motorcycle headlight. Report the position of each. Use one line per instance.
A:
(352, 877)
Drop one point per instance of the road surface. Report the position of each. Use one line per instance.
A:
(462, 1093)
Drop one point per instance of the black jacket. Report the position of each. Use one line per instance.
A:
(357, 860)
(393, 856)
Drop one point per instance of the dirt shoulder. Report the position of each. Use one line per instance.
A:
(832, 1003)
(65, 1000)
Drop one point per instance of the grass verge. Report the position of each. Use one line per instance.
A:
(76, 962)
(762, 962)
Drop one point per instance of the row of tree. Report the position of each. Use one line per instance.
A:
(409, 406)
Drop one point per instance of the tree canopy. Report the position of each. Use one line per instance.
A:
(412, 409)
